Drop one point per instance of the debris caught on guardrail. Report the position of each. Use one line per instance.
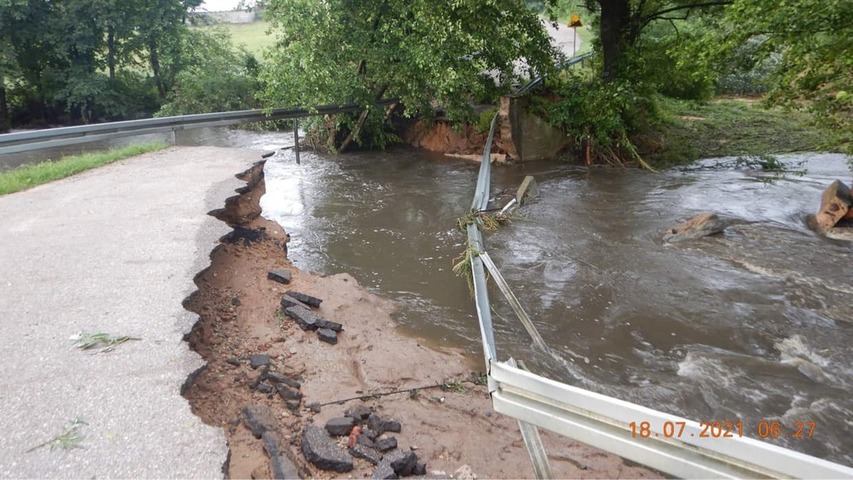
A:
(462, 266)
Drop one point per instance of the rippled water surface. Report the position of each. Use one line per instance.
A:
(754, 324)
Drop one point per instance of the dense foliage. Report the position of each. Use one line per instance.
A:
(799, 52)
(811, 42)
(95, 60)
(67, 61)
(216, 77)
(427, 53)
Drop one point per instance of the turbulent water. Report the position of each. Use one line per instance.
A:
(753, 324)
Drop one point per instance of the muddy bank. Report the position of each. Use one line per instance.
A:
(445, 412)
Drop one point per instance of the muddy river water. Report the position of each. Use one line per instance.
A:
(752, 325)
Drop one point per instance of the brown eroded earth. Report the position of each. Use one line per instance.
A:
(449, 427)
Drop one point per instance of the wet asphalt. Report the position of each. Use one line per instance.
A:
(113, 250)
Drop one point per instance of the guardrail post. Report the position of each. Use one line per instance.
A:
(296, 139)
(535, 447)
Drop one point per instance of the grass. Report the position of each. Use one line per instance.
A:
(251, 35)
(462, 267)
(730, 127)
(455, 386)
(29, 176)
(70, 438)
(104, 341)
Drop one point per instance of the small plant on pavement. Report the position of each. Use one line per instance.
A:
(104, 341)
(70, 438)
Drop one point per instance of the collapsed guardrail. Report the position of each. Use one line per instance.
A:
(665, 442)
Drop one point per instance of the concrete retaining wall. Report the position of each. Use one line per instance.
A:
(527, 137)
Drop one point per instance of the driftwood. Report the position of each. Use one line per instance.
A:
(835, 205)
(702, 225)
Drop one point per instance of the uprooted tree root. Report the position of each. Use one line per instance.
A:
(623, 154)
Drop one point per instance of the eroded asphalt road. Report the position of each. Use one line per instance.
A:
(111, 250)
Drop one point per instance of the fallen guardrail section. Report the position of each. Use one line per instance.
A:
(60, 137)
(670, 444)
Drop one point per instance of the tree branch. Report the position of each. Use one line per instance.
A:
(653, 16)
(353, 134)
(640, 7)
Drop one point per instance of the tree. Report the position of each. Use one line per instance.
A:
(815, 40)
(215, 79)
(8, 63)
(424, 52)
(621, 23)
(88, 57)
(165, 23)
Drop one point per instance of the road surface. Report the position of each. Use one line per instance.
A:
(111, 250)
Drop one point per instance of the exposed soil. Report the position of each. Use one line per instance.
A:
(449, 427)
(440, 137)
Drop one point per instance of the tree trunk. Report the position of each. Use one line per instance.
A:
(615, 22)
(4, 108)
(355, 131)
(154, 59)
(111, 54)
(360, 122)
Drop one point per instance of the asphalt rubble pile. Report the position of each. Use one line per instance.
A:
(272, 382)
(298, 306)
(360, 433)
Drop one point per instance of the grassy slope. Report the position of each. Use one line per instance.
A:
(733, 127)
(252, 35)
(29, 176)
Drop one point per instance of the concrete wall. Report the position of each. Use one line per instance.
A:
(526, 137)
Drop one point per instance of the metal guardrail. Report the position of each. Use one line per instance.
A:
(63, 136)
(59, 137)
(603, 422)
(673, 445)
(568, 63)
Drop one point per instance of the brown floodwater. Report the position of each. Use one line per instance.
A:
(751, 325)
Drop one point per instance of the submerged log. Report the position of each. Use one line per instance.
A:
(834, 205)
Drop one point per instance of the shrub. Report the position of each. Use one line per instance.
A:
(218, 79)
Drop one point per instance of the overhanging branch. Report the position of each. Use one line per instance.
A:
(659, 14)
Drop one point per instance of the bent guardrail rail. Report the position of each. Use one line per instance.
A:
(60, 137)
(671, 444)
